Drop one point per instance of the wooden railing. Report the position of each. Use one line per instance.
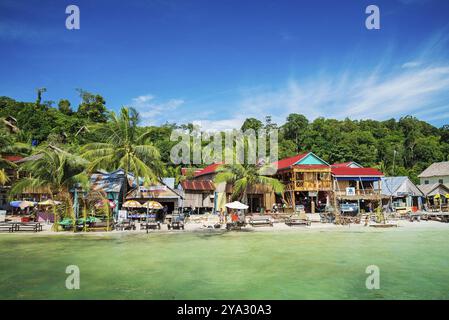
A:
(359, 192)
(308, 185)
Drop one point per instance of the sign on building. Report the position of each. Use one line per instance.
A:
(122, 215)
(350, 191)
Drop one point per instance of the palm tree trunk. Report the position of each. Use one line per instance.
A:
(55, 223)
(85, 215)
(66, 195)
(125, 187)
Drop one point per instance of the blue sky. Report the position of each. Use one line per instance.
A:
(218, 62)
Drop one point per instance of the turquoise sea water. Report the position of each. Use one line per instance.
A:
(414, 264)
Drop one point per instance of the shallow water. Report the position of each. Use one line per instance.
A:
(414, 264)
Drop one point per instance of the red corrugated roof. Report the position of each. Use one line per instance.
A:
(209, 169)
(12, 158)
(195, 170)
(288, 162)
(346, 171)
(198, 185)
(340, 165)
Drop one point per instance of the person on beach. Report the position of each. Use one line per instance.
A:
(234, 216)
(164, 212)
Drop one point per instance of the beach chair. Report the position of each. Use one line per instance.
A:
(236, 223)
(261, 221)
(126, 224)
(297, 220)
(212, 222)
(177, 222)
(66, 224)
(29, 226)
(7, 227)
(101, 226)
(150, 224)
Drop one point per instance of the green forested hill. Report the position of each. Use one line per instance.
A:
(400, 147)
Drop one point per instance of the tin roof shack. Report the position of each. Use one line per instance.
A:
(11, 173)
(308, 182)
(259, 198)
(437, 172)
(164, 193)
(32, 193)
(197, 195)
(112, 185)
(401, 194)
(437, 196)
(357, 185)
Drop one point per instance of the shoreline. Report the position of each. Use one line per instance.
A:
(278, 227)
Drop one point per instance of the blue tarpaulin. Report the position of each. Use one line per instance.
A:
(358, 178)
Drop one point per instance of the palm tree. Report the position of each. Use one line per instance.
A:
(55, 172)
(243, 177)
(123, 147)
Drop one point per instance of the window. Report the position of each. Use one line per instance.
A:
(440, 181)
(426, 181)
(300, 176)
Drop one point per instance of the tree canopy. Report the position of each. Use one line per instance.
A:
(404, 146)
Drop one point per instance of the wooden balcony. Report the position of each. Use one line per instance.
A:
(309, 185)
(359, 194)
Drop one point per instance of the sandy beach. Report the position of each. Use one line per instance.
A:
(277, 227)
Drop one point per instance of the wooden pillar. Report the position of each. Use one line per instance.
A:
(312, 205)
(294, 201)
(336, 211)
(379, 192)
(293, 180)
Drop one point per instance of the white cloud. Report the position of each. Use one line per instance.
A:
(153, 112)
(411, 64)
(416, 85)
(422, 91)
(220, 125)
(374, 95)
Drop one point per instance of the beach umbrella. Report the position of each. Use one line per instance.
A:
(26, 204)
(22, 204)
(236, 205)
(152, 205)
(132, 204)
(15, 204)
(49, 202)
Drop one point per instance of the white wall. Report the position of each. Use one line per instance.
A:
(433, 180)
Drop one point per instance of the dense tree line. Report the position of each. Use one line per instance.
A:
(397, 147)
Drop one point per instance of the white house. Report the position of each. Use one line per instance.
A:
(437, 172)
